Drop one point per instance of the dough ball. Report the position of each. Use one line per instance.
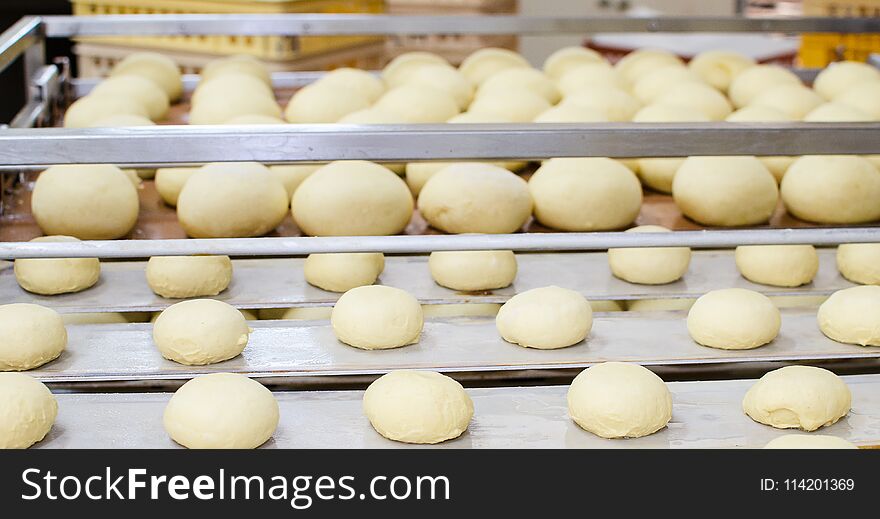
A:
(619, 400)
(418, 407)
(169, 182)
(719, 67)
(306, 313)
(139, 88)
(753, 81)
(733, 319)
(832, 189)
(461, 310)
(545, 318)
(518, 104)
(352, 198)
(200, 331)
(725, 191)
(241, 84)
(121, 120)
(852, 315)
(571, 113)
(793, 99)
(859, 262)
(649, 265)
(837, 113)
(189, 276)
(317, 103)
(864, 97)
(598, 74)
(51, 276)
(162, 70)
(758, 114)
(30, 336)
(568, 58)
(221, 411)
(697, 95)
(798, 397)
(777, 265)
(238, 64)
(642, 61)
(472, 271)
(359, 80)
(585, 194)
(808, 441)
(660, 305)
(86, 111)
(841, 75)
(220, 100)
(398, 70)
(658, 173)
(475, 197)
(231, 200)
(94, 318)
(445, 78)
(616, 104)
(340, 272)
(482, 64)
(27, 411)
(87, 201)
(520, 78)
(254, 119)
(377, 317)
(419, 104)
(660, 81)
(292, 175)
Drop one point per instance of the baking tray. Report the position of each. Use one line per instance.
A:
(705, 415)
(279, 282)
(121, 352)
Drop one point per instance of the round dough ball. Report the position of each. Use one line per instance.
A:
(641, 62)
(649, 265)
(852, 315)
(51, 276)
(323, 103)
(472, 271)
(660, 305)
(859, 262)
(793, 99)
(27, 411)
(162, 70)
(617, 105)
(835, 112)
(218, 101)
(254, 119)
(704, 98)
(231, 200)
(86, 111)
(418, 407)
(658, 173)
(87, 201)
(169, 182)
(589, 75)
(719, 67)
(864, 97)
(221, 411)
(585, 194)
(753, 81)
(475, 197)
(519, 104)
(725, 191)
(94, 318)
(238, 64)
(733, 319)
(200, 331)
(30, 336)
(377, 317)
(545, 318)
(832, 189)
(619, 400)
(139, 88)
(359, 80)
(798, 397)
(485, 62)
(240, 84)
(841, 75)
(419, 104)
(566, 59)
(292, 175)
(340, 272)
(398, 70)
(520, 78)
(445, 78)
(809, 441)
(660, 81)
(571, 113)
(352, 198)
(777, 265)
(758, 113)
(461, 310)
(189, 276)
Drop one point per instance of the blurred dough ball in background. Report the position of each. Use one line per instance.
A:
(649, 265)
(808, 441)
(160, 69)
(518, 104)
(834, 112)
(360, 80)
(641, 62)
(485, 62)
(237, 64)
(759, 114)
(419, 104)
(86, 111)
(520, 78)
(445, 78)
(316, 103)
(225, 97)
(719, 67)
(340, 272)
(662, 80)
(753, 81)
(841, 75)
(589, 75)
(832, 189)
(94, 318)
(51, 276)
(794, 100)
(658, 173)
(863, 96)
(399, 69)
(616, 104)
(215, 88)
(139, 88)
(566, 59)
(704, 98)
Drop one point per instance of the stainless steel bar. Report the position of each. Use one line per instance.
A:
(28, 116)
(17, 39)
(300, 246)
(339, 24)
(318, 143)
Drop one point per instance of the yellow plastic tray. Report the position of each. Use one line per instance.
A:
(818, 50)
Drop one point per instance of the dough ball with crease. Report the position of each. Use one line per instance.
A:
(221, 411)
(733, 319)
(340, 272)
(719, 67)
(753, 81)
(377, 317)
(841, 75)
(189, 276)
(419, 104)
(563, 60)
(658, 173)
(244, 64)
(485, 62)
(649, 265)
(778, 265)
(475, 198)
(231, 200)
(446, 78)
(156, 67)
(517, 104)
(619, 400)
(399, 69)
(169, 182)
(317, 103)
(473, 270)
(832, 189)
(86, 111)
(793, 99)
(808, 441)
(859, 262)
(423, 407)
(545, 318)
(27, 411)
(798, 397)
(615, 103)
(584, 77)
(143, 90)
(359, 80)
(51, 276)
(200, 332)
(852, 316)
(520, 78)
(30, 336)
(352, 198)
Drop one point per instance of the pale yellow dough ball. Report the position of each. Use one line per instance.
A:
(237, 64)
(143, 90)
(832, 189)
(317, 103)
(86, 111)
(485, 62)
(520, 78)
(733, 319)
(662, 80)
(154, 66)
(798, 397)
(859, 262)
(227, 96)
(398, 70)
(589, 75)
(793, 99)
(545, 318)
(852, 316)
(419, 104)
(340, 272)
(473, 270)
(567, 59)
(777, 265)
(446, 78)
(27, 411)
(169, 182)
(30, 336)
(720, 67)
(649, 265)
(697, 95)
(359, 80)
(377, 317)
(658, 173)
(240, 84)
(519, 105)
(51, 276)
(200, 332)
(641, 62)
(753, 81)
(189, 276)
(758, 113)
(841, 75)
(864, 97)
(808, 441)
(835, 112)
(615, 103)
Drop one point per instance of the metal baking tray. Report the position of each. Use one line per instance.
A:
(121, 352)
(705, 415)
